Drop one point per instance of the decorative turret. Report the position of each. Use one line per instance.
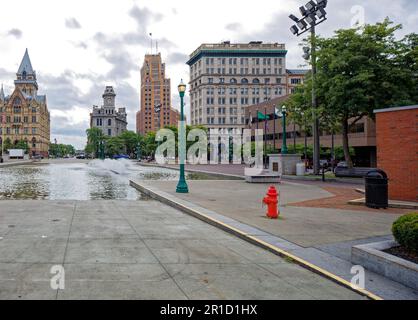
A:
(26, 77)
(109, 96)
(2, 97)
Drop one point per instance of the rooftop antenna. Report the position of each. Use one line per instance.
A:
(151, 41)
(156, 46)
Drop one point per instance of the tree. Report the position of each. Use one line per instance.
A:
(130, 141)
(94, 136)
(363, 69)
(114, 146)
(61, 150)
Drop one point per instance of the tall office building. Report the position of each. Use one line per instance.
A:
(226, 78)
(24, 114)
(155, 112)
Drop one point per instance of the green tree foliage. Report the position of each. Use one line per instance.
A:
(363, 69)
(61, 150)
(114, 146)
(94, 136)
(359, 70)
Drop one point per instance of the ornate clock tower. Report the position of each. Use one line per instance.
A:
(109, 97)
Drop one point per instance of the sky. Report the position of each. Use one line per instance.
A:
(77, 47)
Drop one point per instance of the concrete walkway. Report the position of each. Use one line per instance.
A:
(139, 250)
(318, 236)
(15, 163)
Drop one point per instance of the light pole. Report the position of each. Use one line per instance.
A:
(284, 147)
(313, 13)
(306, 137)
(182, 184)
(138, 151)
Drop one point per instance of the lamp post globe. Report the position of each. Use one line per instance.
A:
(182, 184)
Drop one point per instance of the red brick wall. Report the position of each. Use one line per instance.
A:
(397, 152)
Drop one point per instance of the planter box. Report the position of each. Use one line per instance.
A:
(372, 257)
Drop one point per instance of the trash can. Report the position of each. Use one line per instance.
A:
(300, 169)
(377, 194)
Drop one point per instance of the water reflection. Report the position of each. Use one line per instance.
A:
(96, 180)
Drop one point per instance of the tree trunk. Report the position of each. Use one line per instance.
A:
(346, 146)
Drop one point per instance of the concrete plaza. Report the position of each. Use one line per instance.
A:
(322, 236)
(139, 250)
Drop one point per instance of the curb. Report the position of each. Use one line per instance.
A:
(191, 209)
(14, 164)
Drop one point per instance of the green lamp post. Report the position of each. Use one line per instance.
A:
(182, 184)
(138, 151)
(284, 147)
(102, 150)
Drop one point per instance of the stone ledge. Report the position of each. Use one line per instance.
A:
(372, 257)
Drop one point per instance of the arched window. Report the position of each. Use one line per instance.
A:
(233, 80)
(244, 81)
(256, 81)
(17, 102)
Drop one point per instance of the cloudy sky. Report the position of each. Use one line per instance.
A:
(79, 46)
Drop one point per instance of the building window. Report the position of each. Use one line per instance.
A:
(109, 132)
(109, 122)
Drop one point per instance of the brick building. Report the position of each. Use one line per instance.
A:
(362, 136)
(397, 150)
(25, 113)
(155, 112)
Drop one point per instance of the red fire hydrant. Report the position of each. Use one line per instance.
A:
(271, 200)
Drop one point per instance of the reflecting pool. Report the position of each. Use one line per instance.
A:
(95, 180)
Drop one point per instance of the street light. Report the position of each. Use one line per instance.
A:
(182, 184)
(313, 14)
(284, 146)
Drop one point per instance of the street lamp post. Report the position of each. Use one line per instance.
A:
(138, 151)
(182, 184)
(313, 13)
(102, 151)
(284, 147)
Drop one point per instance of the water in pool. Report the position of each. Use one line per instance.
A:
(95, 180)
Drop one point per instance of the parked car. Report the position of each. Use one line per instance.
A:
(121, 156)
(81, 156)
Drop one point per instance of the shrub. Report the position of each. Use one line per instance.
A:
(405, 231)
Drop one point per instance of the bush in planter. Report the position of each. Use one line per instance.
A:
(405, 231)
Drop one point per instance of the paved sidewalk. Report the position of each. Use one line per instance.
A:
(139, 250)
(322, 237)
(15, 163)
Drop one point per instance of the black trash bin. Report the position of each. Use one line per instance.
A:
(377, 194)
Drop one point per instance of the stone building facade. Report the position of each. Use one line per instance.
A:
(110, 120)
(24, 113)
(226, 78)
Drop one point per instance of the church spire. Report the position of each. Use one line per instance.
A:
(26, 76)
(26, 65)
(2, 93)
